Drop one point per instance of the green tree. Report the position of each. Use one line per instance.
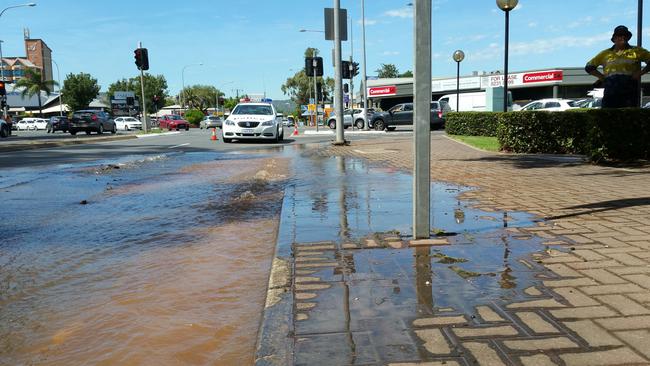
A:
(200, 96)
(33, 83)
(407, 74)
(153, 86)
(194, 116)
(79, 90)
(387, 71)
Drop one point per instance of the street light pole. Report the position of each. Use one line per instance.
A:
(363, 68)
(639, 43)
(338, 90)
(458, 57)
(183, 82)
(506, 6)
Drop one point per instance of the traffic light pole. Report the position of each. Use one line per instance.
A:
(314, 64)
(338, 90)
(145, 127)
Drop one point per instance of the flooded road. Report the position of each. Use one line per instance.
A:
(147, 260)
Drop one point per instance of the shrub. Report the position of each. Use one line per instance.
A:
(472, 123)
(194, 116)
(543, 132)
(601, 134)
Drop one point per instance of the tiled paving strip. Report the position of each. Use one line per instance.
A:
(580, 200)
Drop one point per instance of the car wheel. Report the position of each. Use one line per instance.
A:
(126, 128)
(187, 128)
(4, 132)
(114, 130)
(170, 129)
(100, 129)
(73, 132)
(226, 140)
(332, 124)
(87, 132)
(359, 124)
(380, 125)
(281, 134)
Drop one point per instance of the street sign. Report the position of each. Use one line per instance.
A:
(122, 95)
(311, 107)
(329, 24)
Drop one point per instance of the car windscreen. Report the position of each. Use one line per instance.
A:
(571, 103)
(175, 117)
(253, 109)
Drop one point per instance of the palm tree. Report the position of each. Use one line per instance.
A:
(33, 84)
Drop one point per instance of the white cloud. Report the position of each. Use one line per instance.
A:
(400, 13)
(390, 53)
(368, 22)
(532, 25)
(581, 22)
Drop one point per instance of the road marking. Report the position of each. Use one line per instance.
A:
(171, 147)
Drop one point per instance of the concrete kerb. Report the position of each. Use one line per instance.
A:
(56, 143)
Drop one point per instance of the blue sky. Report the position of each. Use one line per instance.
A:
(253, 45)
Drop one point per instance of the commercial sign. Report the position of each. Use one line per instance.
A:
(382, 91)
(525, 79)
(450, 84)
(122, 95)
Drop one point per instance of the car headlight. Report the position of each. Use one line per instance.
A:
(229, 123)
(267, 123)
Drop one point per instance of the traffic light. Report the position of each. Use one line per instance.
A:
(141, 56)
(3, 90)
(345, 70)
(355, 69)
(346, 89)
(319, 91)
(314, 65)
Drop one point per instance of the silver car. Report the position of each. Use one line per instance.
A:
(210, 122)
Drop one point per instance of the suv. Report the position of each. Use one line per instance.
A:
(402, 114)
(57, 123)
(91, 120)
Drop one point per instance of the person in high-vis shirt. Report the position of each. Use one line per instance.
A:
(621, 70)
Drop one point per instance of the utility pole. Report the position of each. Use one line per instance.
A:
(351, 75)
(145, 127)
(338, 95)
(2, 76)
(364, 80)
(421, 120)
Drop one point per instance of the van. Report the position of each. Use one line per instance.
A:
(476, 101)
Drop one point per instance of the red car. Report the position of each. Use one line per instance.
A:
(173, 122)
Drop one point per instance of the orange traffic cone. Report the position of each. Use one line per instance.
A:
(214, 135)
(295, 131)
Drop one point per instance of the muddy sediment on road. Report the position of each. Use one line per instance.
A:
(167, 263)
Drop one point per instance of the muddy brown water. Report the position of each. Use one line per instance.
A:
(167, 263)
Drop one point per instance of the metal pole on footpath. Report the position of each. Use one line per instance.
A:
(143, 110)
(314, 64)
(363, 68)
(422, 118)
(639, 43)
(338, 95)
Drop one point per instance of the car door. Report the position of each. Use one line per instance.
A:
(404, 116)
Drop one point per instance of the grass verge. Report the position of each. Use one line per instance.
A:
(480, 142)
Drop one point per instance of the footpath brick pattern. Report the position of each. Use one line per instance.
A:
(595, 310)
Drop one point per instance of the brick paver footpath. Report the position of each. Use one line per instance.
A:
(591, 305)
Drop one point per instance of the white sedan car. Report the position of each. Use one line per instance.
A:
(253, 121)
(127, 123)
(551, 105)
(40, 124)
(26, 124)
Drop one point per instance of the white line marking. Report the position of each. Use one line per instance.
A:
(171, 147)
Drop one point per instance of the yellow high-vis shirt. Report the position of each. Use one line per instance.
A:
(623, 62)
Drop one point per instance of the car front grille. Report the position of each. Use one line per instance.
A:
(247, 124)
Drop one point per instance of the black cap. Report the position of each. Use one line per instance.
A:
(622, 30)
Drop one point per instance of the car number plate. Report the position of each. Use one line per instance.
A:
(247, 130)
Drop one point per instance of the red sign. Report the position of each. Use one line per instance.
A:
(538, 77)
(382, 91)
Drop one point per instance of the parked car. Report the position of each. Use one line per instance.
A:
(26, 124)
(349, 116)
(290, 121)
(551, 105)
(91, 120)
(210, 122)
(173, 122)
(58, 123)
(253, 121)
(5, 128)
(40, 124)
(402, 114)
(589, 103)
(127, 123)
